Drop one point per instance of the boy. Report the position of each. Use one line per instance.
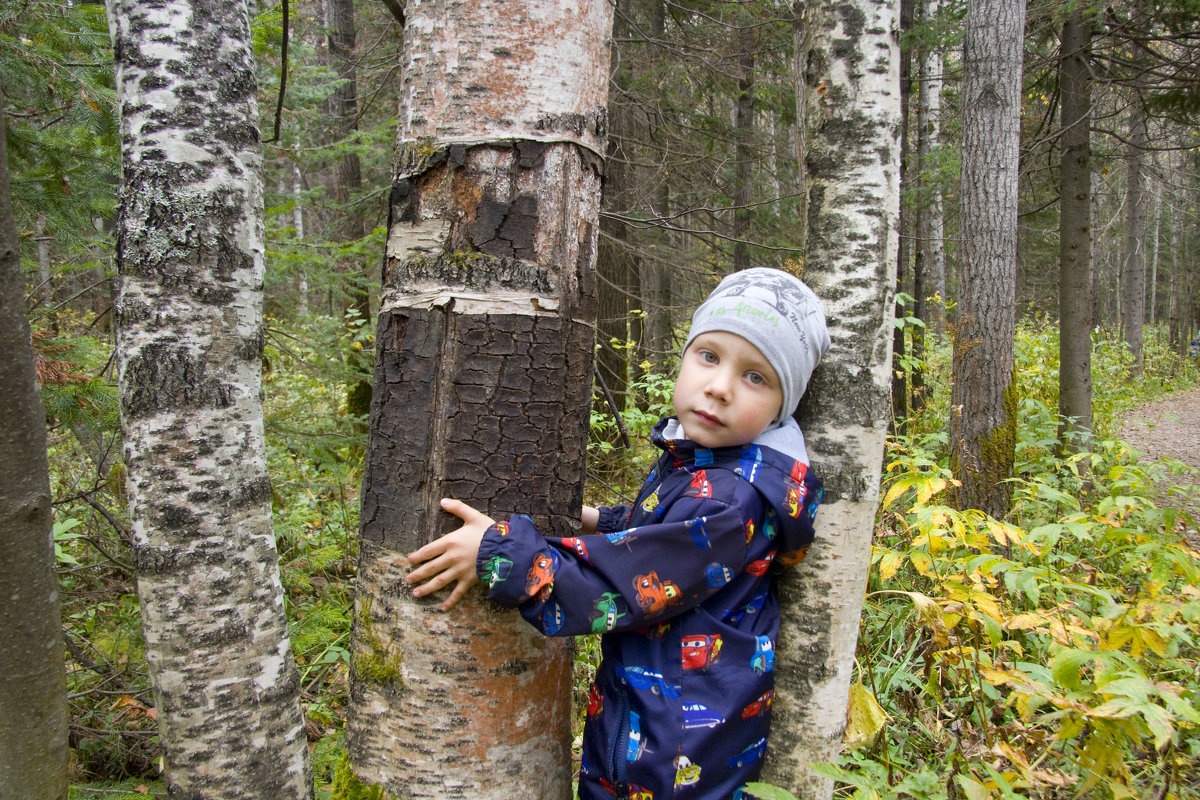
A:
(680, 582)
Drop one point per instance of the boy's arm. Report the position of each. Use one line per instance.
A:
(615, 581)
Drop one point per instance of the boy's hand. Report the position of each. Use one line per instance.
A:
(452, 557)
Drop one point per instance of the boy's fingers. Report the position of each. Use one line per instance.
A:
(461, 510)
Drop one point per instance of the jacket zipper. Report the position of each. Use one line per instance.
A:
(620, 743)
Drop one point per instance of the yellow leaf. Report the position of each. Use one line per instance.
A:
(924, 564)
(929, 489)
(890, 564)
(1025, 622)
(864, 717)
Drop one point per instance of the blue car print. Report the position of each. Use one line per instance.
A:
(764, 655)
(642, 678)
(698, 715)
(751, 754)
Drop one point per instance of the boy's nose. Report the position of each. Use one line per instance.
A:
(718, 386)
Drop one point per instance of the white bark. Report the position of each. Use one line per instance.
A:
(931, 229)
(189, 347)
(854, 199)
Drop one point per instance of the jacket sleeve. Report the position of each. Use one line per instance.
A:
(619, 580)
(612, 518)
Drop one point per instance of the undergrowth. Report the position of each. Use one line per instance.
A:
(1051, 654)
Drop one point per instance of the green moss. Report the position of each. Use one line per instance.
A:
(373, 661)
(347, 786)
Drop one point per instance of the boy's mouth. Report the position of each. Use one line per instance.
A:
(706, 418)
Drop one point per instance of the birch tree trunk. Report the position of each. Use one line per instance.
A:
(983, 420)
(482, 386)
(852, 162)
(1075, 235)
(33, 681)
(1133, 279)
(189, 350)
(931, 248)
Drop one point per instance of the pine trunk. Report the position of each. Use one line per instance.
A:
(33, 683)
(1075, 236)
(983, 423)
(189, 349)
(482, 381)
(852, 162)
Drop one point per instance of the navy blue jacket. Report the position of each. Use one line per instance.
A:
(681, 586)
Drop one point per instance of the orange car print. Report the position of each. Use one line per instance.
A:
(540, 579)
(653, 594)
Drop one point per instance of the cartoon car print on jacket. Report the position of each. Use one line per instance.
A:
(495, 570)
(540, 580)
(751, 754)
(646, 679)
(698, 715)
(621, 537)
(761, 566)
(635, 746)
(700, 487)
(635, 792)
(717, 575)
(653, 594)
(750, 462)
(793, 558)
(552, 618)
(759, 706)
(699, 530)
(595, 701)
(764, 655)
(578, 545)
(651, 502)
(795, 492)
(753, 607)
(610, 612)
(700, 651)
(686, 773)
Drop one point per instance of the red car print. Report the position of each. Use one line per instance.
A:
(540, 580)
(639, 792)
(701, 651)
(576, 544)
(749, 532)
(760, 705)
(595, 701)
(655, 595)
(795, 493)
(700, 487)
(761, 566)
(502, 527)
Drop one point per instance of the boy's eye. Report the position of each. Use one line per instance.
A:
(756, 378)
(708, 357)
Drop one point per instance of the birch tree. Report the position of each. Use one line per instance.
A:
(189, 347)
(852, 159)
(482, 385)
(984, 415)
(33, 683)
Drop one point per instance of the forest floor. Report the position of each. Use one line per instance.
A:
(1170, 428)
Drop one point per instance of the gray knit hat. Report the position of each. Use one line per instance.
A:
(778, 314)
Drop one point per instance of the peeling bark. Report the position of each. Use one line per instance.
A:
(852, 160)
(189, 348)
(482, 385)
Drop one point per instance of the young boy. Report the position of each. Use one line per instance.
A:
(681, 582)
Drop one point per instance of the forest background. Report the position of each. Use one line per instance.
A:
(1044, 653)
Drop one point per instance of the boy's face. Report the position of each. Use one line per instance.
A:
(726, 393)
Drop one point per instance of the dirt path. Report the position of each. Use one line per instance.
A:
(1170, 428)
